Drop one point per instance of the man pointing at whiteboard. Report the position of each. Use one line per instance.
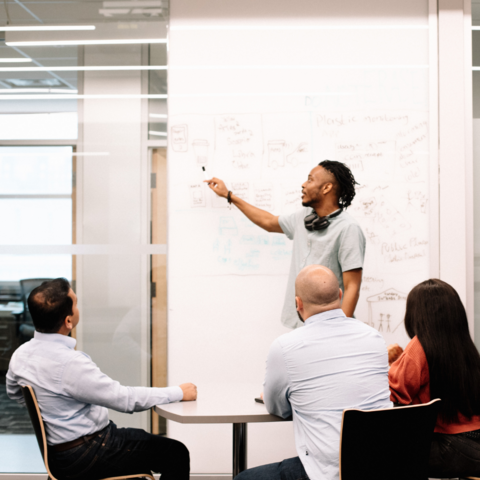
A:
(322, 232)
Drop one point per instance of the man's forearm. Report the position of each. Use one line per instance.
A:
(350, 299)
(259, 217)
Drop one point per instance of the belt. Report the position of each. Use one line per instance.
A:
(62, 447)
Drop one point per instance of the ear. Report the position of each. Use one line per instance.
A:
(299, 303)
(327, 188)
(68, 323)
(340, 294)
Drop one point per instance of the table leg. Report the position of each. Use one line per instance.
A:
(239, 448)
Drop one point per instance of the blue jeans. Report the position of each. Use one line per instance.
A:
(122, 451)
(290, 469)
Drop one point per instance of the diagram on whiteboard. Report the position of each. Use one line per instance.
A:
(386, 312)
(264, 158)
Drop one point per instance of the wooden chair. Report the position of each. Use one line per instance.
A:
(38, 426)
(391, 444)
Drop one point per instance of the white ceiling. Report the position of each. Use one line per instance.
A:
(125, 13)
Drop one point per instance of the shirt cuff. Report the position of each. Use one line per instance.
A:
(175, 394)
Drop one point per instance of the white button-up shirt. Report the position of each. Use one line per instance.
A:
(72, 393)
(314, 373)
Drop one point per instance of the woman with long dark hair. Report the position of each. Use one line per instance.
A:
(441, 361)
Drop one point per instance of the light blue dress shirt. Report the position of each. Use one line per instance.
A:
(314, 373)
(72, 393)
(339, 247)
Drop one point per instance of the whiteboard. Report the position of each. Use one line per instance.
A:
(264, 158)
(259, 101)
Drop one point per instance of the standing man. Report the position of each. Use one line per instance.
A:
(322, 232)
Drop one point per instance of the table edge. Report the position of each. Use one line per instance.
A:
(264, 418)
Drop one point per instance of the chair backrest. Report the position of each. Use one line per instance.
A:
(37, 422)
(393, 443)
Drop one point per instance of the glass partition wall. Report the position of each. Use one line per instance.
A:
(82, 192)
(476, 157)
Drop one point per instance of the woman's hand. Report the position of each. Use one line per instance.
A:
(394, 352)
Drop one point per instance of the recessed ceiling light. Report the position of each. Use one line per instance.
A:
(45, 28)
(158, 115)
(15, 60)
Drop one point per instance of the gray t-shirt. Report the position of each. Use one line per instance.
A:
(340, 247)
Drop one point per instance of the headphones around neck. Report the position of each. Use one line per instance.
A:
(314, 222)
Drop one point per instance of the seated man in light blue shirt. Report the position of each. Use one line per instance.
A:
(315, 372)
(74, 395)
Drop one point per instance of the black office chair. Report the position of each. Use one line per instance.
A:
(391, 444)
(39, 428)
(26, 328)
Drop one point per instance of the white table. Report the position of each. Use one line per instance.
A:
(225, 404)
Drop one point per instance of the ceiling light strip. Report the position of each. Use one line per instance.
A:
(45, 28)
(83, 69)
(160, 134)
(60, 96)
(15, 60)
(36, 90)
(62, 43)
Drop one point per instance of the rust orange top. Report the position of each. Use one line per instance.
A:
(409, 380)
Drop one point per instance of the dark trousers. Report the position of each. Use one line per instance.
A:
(453, 456)
(122, 451)
(290, 469)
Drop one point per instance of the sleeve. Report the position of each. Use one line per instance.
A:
(405, 380)
(352, 248)
(84, 381)
(287, 224)
(14, 390)
(275, 386)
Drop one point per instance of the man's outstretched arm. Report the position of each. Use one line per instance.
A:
(259, 217)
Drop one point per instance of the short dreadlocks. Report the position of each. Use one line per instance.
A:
(345, 180)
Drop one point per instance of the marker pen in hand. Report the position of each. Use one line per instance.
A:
(205, 174)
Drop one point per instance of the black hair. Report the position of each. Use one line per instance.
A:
(49, 305)
(345, 187)
(436, 315)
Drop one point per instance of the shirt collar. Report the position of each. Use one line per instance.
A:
(328, 315)
(56, 338)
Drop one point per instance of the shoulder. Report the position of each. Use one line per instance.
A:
(414, 351)
(78, 359)
(348, 222)
(285, 341)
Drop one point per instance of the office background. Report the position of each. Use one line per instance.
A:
(83, 176)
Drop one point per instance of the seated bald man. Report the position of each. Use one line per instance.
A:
(315, 372)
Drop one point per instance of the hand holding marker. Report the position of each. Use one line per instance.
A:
(205, 175)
